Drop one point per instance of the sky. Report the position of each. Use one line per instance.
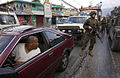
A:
(79, 3)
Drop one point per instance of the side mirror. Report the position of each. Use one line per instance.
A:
(8, 73)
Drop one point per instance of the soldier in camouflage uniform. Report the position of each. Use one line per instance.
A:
(104, 25)
(88, 36)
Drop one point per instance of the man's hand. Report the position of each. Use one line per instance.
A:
(17, 63)
(90, 27)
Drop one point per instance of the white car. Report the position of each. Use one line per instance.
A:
(73, 25)
(8, 18)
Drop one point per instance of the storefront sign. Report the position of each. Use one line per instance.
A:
(47, 10)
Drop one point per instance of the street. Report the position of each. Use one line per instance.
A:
(33, 38)
(104, 63)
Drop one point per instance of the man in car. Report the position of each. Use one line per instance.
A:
(25, 51)
(89, 35)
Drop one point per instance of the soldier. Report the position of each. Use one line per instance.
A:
(88, 36)
(103, 24)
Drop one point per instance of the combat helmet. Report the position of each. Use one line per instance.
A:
(93, 12)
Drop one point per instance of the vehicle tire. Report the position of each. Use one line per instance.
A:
(109, 38)
(115, 45)
(64, 62)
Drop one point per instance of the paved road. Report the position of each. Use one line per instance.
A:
(116, 63)
(99, 66)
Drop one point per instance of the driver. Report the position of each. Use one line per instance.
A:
(25, 51)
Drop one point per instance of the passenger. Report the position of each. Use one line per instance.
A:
(25, 51)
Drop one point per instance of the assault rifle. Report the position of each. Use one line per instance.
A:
(94, 31)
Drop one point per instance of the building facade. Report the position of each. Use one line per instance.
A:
(70, 12)
(85, 11)
(57, 12)
(30, 13)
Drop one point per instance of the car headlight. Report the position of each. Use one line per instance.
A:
(56, 27)
(79, 30)
(63, 30)
(69, 31)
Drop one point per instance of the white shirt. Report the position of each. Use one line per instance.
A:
(21, 55)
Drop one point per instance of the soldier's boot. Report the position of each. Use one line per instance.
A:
(81, 53)
(90, 53)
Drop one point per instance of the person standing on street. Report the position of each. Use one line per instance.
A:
(104, 25)
(89, 35)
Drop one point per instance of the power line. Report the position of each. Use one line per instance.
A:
(69, 4)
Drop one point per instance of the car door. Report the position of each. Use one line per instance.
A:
(57, 46)
(39, 66)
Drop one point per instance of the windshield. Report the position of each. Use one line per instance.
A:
(7, 19)
(86, 12)
(76, 20)
(61, 21)
(4, 41)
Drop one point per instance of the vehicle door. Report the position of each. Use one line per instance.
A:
(38, 66)
(56, 43)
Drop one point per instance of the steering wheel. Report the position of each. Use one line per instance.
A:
(9, 62)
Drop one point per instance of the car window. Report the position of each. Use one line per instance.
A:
(62, 20)
(43, 44)
(7, 19)
(54, 38)
(19, 55)
(4, 41)
(76, 20)
(19, 51)
(86, 12)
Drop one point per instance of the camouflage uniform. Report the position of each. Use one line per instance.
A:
(89, 36)
(103, 24)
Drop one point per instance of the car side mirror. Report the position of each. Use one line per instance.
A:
(8, 73)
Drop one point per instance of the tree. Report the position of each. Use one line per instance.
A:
(35, 0)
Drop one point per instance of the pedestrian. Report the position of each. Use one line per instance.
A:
(104, 25)
(88, 36)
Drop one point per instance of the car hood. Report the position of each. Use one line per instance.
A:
(71, 24)
(3, 26)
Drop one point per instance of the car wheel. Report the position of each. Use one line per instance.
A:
(64, 62)
(115, 45)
